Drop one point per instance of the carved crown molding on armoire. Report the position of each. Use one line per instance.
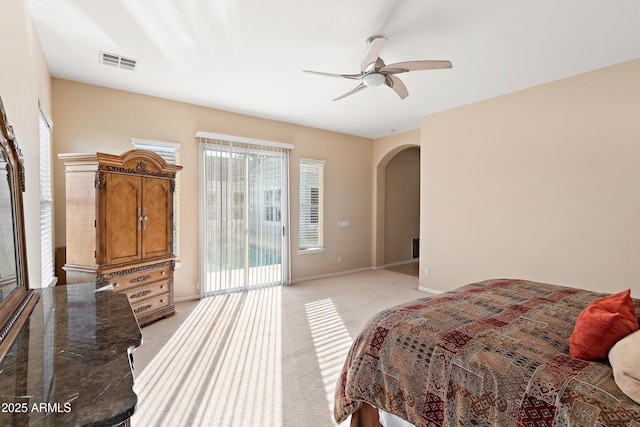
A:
(120, 226)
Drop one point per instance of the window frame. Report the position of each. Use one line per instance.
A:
(309, 212)
(47, 251)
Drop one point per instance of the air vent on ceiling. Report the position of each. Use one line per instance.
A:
(118, 61)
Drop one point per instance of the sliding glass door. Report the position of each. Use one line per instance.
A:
(244, 216)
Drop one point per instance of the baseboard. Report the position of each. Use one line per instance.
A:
(324, 276)
(191, 298)
(395, 264)
(431, 291)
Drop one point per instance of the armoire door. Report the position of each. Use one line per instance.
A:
(122, 232)
(157, 207)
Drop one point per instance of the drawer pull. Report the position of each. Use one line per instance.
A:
(163, 287)
(142, 308)
(140, 278)
(117, 284)
(140, 294)
(164, 273)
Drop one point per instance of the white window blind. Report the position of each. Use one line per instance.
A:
(46, 204)
(170, 153)
(311, 205)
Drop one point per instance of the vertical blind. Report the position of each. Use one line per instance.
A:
(311, 204)
(46, 204)
(244, 214)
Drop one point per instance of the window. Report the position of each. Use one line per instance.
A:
(46, 203)
(238, 205)
(170, 153)
(272, 211)
(311, 205)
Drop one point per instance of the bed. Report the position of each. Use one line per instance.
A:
(493, 353)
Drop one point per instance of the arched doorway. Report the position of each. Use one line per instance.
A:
(402, 211)
(381, 201)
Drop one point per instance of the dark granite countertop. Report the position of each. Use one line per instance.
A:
(71, 363)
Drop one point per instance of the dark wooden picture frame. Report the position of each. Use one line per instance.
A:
(15, 305)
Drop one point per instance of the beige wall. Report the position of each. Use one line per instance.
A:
(540, 184)
(402, 205)
(90, 118)
(25, 81)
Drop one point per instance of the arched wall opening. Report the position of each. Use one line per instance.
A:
(385, 150)
(402, 208)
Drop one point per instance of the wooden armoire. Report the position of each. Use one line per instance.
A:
(119, 220)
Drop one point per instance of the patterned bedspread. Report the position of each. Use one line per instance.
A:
(494, 353)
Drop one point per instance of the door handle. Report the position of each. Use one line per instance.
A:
(144, 218)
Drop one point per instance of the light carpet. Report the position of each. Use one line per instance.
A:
(266, 357)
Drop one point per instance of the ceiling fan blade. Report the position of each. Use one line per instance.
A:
(344, 76)
(374, 47)
(351, 92)
(403, 67)
(396, 84)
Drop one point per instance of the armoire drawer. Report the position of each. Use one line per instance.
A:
(149, 305)
(148, 291)
(121, 283)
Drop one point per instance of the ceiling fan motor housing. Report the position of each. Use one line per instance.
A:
(373, 79)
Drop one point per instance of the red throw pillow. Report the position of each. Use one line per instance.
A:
(602, 324)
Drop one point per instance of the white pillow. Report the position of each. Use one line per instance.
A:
(625, 362)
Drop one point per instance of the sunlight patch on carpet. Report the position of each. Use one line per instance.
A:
(222, 367)
(331, 341)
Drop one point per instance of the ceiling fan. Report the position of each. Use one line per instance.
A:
(374, 72)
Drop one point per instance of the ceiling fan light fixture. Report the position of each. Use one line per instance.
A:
(373, 79)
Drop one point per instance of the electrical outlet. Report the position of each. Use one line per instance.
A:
(339, 258)
(426, 272)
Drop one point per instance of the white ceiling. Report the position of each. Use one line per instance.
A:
(247, 56)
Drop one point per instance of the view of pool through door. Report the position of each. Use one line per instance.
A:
(244, 213)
